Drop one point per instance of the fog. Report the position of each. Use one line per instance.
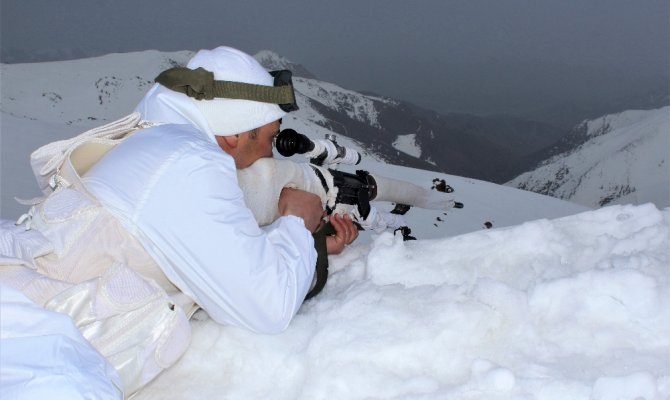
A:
(557, 61)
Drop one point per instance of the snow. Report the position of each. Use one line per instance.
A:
(407, 144)
(81, 92)
(626, 160)
(355, 105)
(556, 301)
(571, 308)
(606, 123)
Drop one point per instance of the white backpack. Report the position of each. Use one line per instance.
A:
(129, 319)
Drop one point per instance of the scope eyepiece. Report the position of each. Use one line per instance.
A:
(290, 142)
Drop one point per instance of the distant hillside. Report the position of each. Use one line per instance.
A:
(616, 159)
(104, 88)
(45, 102)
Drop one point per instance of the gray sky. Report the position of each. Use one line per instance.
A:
(479, 56)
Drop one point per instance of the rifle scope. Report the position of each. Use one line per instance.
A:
(321, 151)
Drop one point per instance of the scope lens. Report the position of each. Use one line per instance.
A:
(290, 142)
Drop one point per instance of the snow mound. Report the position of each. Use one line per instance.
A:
(576, 307)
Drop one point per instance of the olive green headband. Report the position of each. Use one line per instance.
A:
(200, 84)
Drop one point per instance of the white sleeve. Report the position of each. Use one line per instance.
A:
(190, 215)
(239, 273)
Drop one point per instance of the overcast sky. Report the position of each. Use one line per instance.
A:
(481, 56)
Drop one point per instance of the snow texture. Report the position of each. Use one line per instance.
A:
(572, 308)
(407, 144)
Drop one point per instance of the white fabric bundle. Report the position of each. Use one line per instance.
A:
(44, 356)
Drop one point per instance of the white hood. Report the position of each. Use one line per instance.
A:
(220, 117)
(162, 105)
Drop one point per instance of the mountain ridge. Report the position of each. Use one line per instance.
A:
(447, 143)
(73, 96)
(615, 159)
(496, 149)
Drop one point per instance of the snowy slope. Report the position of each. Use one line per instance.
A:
(84, 92)
(576, 308)
(72, 96)
(555, 302)
(407, 144)
(484, 148)
(625, 159)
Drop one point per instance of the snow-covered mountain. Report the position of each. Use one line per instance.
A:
(273, 61)
(86, 92)
(43, 102)
(554, 302)
(616, 159)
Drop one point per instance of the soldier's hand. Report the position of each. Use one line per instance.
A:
(345, 233)
(301, 204)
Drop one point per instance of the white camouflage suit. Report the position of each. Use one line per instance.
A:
(155, 227)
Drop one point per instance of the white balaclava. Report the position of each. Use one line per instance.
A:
(217, 117)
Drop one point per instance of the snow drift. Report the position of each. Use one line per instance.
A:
(572, 308)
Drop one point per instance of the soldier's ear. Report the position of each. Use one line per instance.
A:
(228, 142)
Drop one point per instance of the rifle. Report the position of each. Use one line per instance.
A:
(361, 188)
(340, 192)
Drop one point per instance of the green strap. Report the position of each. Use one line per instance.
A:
(248, 91)
(200, 84)
(321, 260)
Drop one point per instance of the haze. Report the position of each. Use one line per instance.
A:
(556, 61)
